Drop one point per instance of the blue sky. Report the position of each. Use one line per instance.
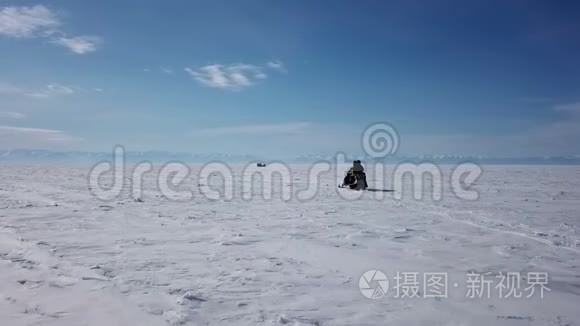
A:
(283, 78)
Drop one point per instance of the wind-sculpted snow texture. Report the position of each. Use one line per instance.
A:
(67, 258)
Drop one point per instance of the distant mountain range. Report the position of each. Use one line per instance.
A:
(455, 159)
(47, 156)
(30, 155)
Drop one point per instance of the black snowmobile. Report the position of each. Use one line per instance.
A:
(355, 177)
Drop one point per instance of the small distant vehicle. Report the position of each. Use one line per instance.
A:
(261, 165)
(355, 177)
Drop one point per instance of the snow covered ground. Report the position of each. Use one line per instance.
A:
(67, 258)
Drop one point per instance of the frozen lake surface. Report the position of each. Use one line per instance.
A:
(68, 258)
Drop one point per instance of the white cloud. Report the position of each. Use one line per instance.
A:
(79, 44)
(570, 107)
(262, 129)
(52, 90)
(277, 65)
(10, 89)
(23, 22)
(49, 90)
(160, 70)
(12, 115)
(14, 137)
(40, 22)
(230, 77)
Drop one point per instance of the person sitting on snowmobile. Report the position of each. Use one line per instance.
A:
(355, 177)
